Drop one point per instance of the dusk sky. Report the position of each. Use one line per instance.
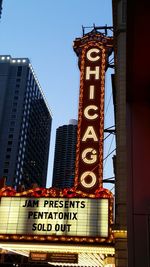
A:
(44, 31)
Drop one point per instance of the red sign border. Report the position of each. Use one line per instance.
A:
(101, 111)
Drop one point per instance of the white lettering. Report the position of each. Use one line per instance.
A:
(92, 72)
(90, 134)
(85, 179)
(92, 92)
(86, 112)
(90, 56)
(92, 155)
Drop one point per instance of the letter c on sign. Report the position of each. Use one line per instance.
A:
(85, 176)
(89, 54)
(86, 112)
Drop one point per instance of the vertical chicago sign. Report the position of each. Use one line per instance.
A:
(93, 50)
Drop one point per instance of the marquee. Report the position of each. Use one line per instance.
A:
(59, 216)
(50, 214)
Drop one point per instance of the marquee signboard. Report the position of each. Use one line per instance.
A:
(92, 50)
(59, 216)
(56, 215)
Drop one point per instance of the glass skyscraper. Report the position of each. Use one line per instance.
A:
(25, 125)
(65, 154)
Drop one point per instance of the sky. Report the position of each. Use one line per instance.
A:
(44, 31)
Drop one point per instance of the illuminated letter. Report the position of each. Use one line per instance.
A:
(84, 179)
(92, 89)
(90, 57)
(92, 155)
(92, 72)
(86, 112)
(90, 133)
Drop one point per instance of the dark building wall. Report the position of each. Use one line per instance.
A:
(138, 129)
(37, 143)
(25, 125)
(64, 159)
(11, 117)
(119, 83)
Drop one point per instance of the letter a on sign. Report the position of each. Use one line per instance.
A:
(90, 134)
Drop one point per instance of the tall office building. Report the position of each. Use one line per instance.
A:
(65, 154)
(25, 124)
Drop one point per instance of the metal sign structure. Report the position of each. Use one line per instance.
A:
(93, 50)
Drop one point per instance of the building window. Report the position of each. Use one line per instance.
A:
(9, 142)
(13, 116)
(11, 129)
(18, 166)
(19, 71)
(5, 170)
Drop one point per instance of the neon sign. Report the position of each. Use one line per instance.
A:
(93, 53)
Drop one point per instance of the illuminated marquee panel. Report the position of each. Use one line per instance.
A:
(92, 51)
(59, 216)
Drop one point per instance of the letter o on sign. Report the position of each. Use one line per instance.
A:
(88, 179)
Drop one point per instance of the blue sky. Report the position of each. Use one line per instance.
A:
(44, 32)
